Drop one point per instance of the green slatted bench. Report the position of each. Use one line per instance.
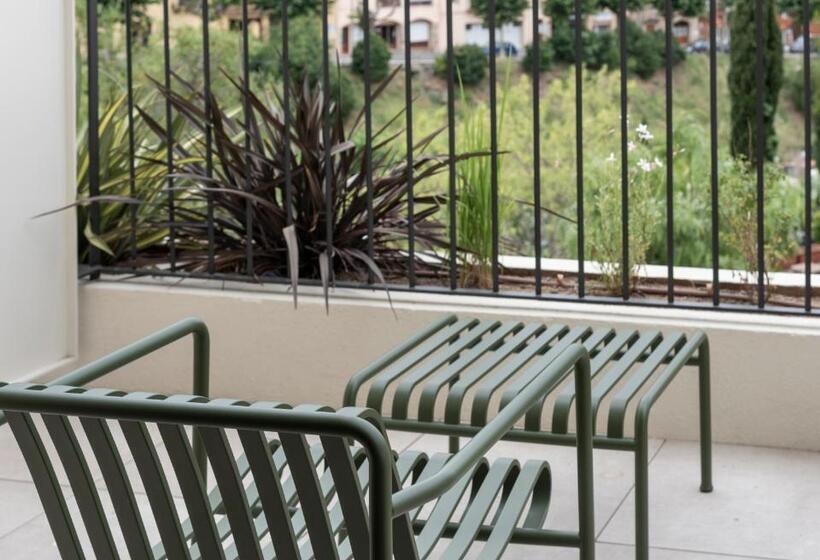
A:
(454, 376)
(289, 482)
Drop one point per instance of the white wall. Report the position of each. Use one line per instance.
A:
(37, 257)
(765, 372)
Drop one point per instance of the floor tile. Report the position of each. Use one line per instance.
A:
(766, 503)
(20, 504)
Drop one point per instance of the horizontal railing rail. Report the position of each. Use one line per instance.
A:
(451, 254)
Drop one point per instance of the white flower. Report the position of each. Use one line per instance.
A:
(611, 158)
(643, 132)
(630, 146)
(645, 166)
(657, 163)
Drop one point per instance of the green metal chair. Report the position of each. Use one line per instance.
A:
(303, 482)
(451, 378)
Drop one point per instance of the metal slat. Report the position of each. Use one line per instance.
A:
(200, 515)
(485, 391)
(536, 143)
(444, 509)
(351, 494)
(451, 147)
(670, 176)
(116, 482)
(502, 472)
(560, 412)
(532, 420)
(532, 483)
(129, 86)
(497, 353)
(575, 334)
(232, 491)
(156, 486)
(82, 484)
(93, 130)
(48, 487)
(394, 372)
(468, 341)
(209, 159)
(246, 116)
(312, 501)
(493, 145)
(362, 376)
(617, 408)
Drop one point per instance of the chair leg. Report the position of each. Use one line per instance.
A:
(705, 418)
(642, 496)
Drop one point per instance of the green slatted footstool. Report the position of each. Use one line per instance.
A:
(453, 377)
(303, 482)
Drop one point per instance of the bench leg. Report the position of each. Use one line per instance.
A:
(642, 495)
(705, 418)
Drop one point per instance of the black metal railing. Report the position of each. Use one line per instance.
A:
(95, 267)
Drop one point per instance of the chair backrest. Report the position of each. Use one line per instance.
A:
(288, 483)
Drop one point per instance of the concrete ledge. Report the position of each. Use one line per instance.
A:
(766, 369)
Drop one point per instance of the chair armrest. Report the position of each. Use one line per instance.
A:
(136, 350)
(574, 358)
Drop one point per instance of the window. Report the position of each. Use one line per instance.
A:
(420, 33)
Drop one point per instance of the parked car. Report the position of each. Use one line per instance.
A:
(506, 48)
(699, 46)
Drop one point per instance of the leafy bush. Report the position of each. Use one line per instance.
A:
(563, 42)
(644, 51)
(601, 50)
(379, 58)
(546, 57)
(738, 208)
(470, 62)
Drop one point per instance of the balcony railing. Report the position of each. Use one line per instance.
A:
(451, 256)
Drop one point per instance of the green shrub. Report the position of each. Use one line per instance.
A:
(304, 51)
(470, 62)
(546, 57)
(379, 58)
(562, 42)
(601, 50)
(644, 51)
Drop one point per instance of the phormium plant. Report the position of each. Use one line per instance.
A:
(253, 202)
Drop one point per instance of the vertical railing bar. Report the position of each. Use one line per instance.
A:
(713, 148)
(368, 133)
(451, 145)
(760, 146)
(670, 178)
(493, 146)
(286, 87)
(169, 132)
(579, 144)
(93, 131)
(326, 140)
(132, 173)
(209, 158)
(408, 133)
(625, 268)
(536, 142)
(807, 116)
(246, 110)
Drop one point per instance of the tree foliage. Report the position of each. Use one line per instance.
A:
(743, 83)
(506, 11)
(296, 8)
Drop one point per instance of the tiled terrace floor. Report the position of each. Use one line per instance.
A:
(766, 503)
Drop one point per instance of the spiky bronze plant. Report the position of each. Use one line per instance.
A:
(248, 186)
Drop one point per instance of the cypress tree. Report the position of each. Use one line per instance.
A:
(742, 78)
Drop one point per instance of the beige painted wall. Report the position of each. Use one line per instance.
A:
(766, 370)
